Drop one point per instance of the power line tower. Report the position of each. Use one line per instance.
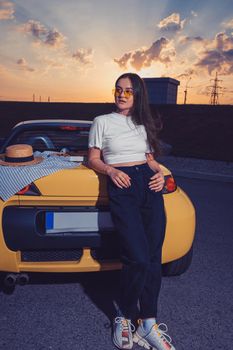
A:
(186, 91)
(214, 96)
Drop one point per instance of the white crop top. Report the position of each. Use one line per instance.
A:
(120, 140)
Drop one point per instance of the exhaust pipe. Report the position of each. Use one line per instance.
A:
(12, 279)
(22, 279)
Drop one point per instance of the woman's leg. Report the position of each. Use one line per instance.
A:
(154, 223)
(135, 254)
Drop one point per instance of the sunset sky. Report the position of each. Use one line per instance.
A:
(74, 50)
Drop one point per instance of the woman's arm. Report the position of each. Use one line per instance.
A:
(157, 181)
(95, 162)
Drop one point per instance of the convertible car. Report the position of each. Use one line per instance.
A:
(61, 222)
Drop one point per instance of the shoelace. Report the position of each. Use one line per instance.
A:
(161, 330)
(126, 325)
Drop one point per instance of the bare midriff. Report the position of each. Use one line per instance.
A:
(128, 164)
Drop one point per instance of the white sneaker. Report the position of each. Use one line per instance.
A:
(122, 333)
(156, 339)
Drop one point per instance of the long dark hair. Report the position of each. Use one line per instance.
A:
(140, 113)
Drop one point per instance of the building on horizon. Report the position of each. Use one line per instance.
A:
(162, 90)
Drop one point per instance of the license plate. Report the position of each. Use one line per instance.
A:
(78, 222)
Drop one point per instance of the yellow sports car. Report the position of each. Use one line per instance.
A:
(60, 221)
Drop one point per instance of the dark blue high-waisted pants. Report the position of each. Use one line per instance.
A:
(139, 217)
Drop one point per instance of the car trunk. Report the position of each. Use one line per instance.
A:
(77, 182)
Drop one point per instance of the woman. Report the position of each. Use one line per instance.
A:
(122, 145)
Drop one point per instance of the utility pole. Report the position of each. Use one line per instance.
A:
(186, 91)
(33, 97)
(214, 92)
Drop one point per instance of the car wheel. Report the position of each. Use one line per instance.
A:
(179, 266)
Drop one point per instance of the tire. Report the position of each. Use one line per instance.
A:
(179, 266)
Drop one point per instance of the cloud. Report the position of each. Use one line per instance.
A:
(22, 63)
(219, 55)
(172, 23)
(41, 34)
(54, 63)
(122, 62)
(83, 56)
(53, 38)
(190, 39)
(188, 73)
(194, 14)
(223, 41)
(158, 51)
(6, 10)
(203, 91)
(228, 24)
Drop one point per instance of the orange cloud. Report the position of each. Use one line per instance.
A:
(219, 55)
(41, 34)
(83, 56)
(145, 57)
(188, 73)
(22, 63)
(6, 10)
(191, 39)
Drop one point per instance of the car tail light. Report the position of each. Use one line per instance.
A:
(29, 190)
(169, 185)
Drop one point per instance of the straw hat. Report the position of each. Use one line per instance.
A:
(20, 154)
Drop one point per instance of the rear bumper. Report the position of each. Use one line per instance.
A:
(25, 246)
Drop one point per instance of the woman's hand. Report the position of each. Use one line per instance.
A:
(157, 182)
(119, 178)
(95, 162)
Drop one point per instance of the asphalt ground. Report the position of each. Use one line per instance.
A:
(74, 311)
(199, 168)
